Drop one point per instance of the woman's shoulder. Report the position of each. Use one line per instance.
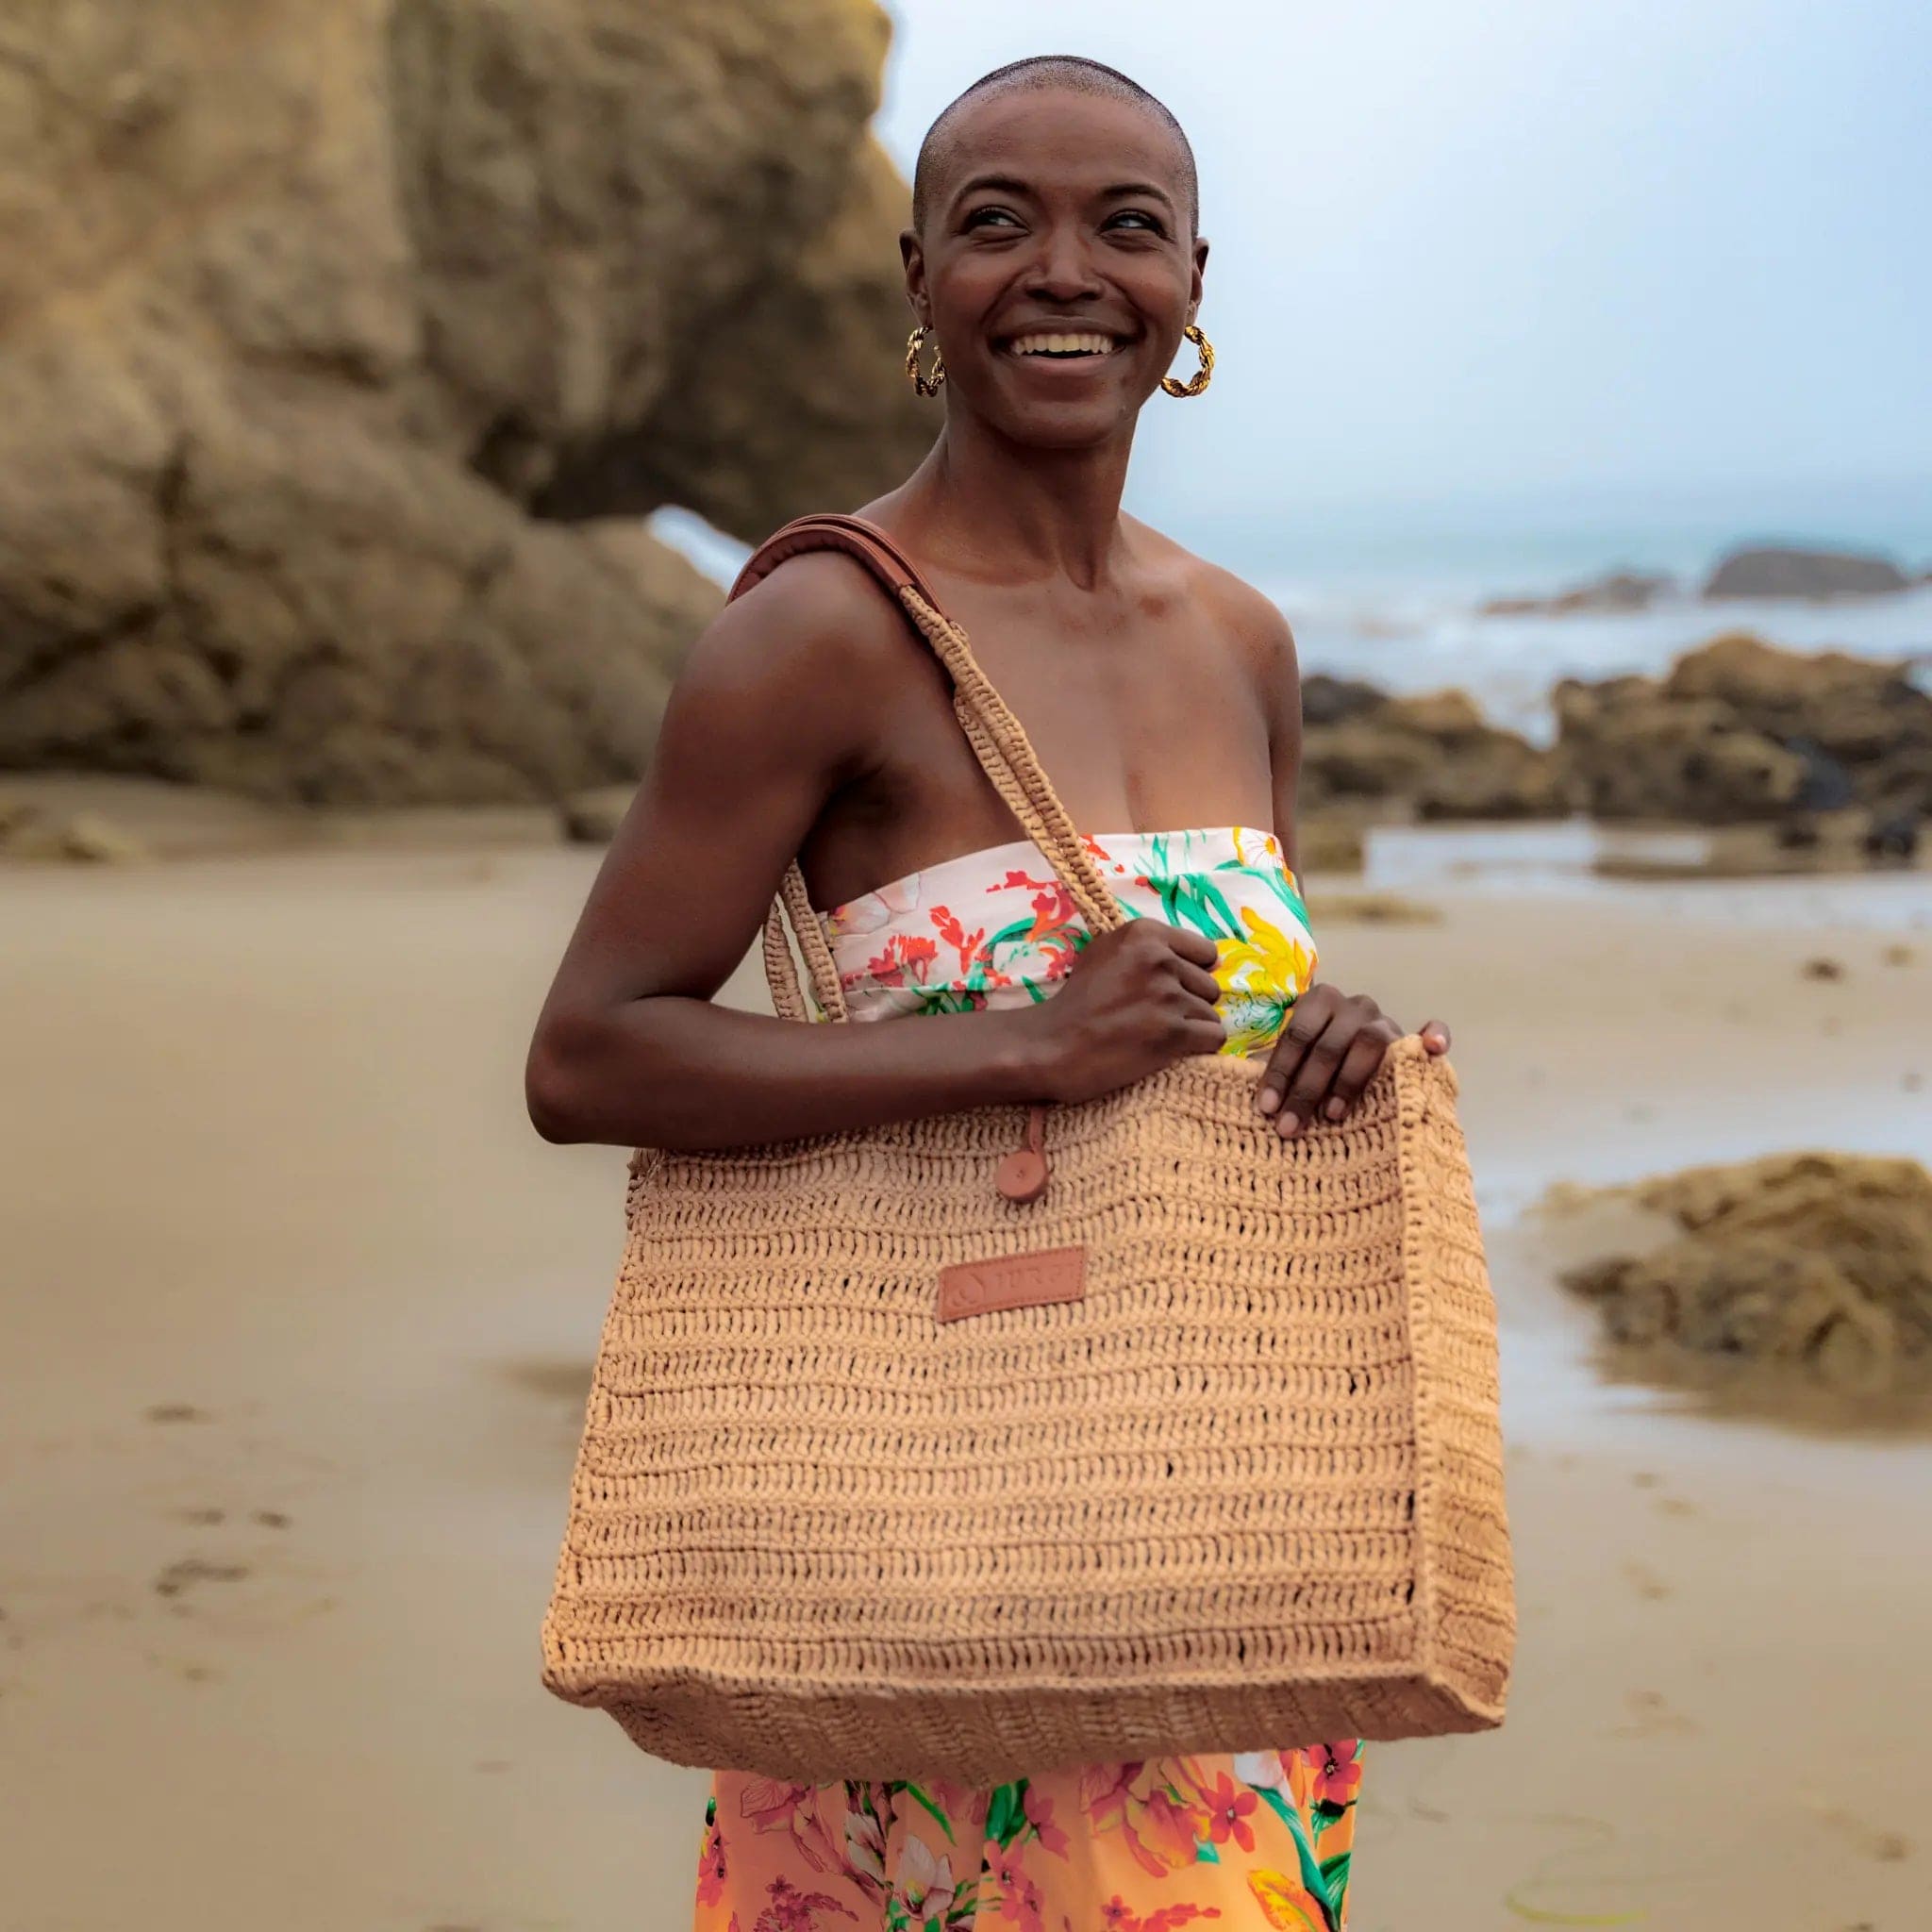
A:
(1249, 616)
(784, 673)
(819, 618)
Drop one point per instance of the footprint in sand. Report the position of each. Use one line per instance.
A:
(188, 1672)
(177, 1413)
(178, 1576)
(206, 1516)
(1651, 1716)
(1875, 1842)
(1645, 1581)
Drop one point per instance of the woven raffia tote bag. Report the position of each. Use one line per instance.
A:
(994, 1441)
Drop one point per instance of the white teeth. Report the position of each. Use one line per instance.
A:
(1049, 344)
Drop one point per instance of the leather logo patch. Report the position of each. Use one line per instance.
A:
(1012, 1281)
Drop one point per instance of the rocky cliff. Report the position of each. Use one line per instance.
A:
(341, 347)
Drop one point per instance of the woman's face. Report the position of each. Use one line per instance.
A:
(1085, 230)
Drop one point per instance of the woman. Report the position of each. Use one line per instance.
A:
(1054, 256)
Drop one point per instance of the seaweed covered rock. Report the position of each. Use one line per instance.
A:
(1815, 1261)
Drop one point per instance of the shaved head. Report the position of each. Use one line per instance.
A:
(1073, 73)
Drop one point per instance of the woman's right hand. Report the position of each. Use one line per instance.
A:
(1135, 999)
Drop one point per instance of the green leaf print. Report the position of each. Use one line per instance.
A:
(1325, 1815)
(943, 999)
(1006, 1812)
(1192, 899)
(1312, 1881)
(1007, 933)
(1283, 888)
(1335, 1880)
(914, 1792)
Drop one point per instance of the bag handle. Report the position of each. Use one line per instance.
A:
(999, 742)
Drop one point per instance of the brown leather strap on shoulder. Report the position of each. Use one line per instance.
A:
(830, 530)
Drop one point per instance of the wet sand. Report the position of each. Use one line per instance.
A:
(299, 1315)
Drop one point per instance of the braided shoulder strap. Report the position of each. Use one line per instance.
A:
(998, 742)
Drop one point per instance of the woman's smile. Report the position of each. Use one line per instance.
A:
(1060, 349)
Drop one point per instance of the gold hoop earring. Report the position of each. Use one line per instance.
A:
(924, 386)
(1203, 375)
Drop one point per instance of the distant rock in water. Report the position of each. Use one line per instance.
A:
(1622, 589)
(1774, 571)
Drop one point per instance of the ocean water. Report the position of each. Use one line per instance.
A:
(1393, 591)
(1422, 641)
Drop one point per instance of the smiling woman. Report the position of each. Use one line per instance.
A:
(1052, 284)
(1055, 256)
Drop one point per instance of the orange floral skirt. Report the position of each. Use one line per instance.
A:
(1264, 1839)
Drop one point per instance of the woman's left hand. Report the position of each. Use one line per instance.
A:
(1328, 1053)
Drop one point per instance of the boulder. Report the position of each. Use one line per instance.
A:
(1327, 700)
(1435, 754)
(1774, 571)
(336, 344)
(85, 838)
(1867, 716)
(1630, 750)
(591, 818)
(1740, 730)
(1815, 1261)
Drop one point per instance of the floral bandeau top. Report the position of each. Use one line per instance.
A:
(995, 928)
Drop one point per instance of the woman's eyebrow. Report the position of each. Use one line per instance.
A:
(1012, 184)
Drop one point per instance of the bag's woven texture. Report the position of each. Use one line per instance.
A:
(1245, 1491)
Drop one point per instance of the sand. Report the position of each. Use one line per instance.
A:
(299, 1314)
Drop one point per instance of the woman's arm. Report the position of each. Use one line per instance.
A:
(766, 720)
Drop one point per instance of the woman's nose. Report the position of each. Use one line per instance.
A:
(1063, 270)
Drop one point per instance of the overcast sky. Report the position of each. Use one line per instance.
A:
(1521, 246)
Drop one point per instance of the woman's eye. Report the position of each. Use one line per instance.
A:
(980, 217)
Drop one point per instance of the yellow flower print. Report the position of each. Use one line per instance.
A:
(1287, 1906)
(1266, 962)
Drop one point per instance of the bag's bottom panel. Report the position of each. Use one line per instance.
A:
(989, 1737)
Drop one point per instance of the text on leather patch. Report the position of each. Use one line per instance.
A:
(1012, 1281)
